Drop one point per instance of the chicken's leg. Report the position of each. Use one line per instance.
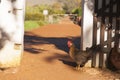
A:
(79, 68)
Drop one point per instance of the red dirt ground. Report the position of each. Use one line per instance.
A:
(46, 56)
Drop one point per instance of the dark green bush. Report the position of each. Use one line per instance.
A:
(77, 11)
(34, 16)
(42, 22)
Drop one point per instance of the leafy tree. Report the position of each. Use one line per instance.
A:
(57, 8)
(36, 12)
(69, 5)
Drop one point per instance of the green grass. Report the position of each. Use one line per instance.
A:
(29, 25)
(32, 24)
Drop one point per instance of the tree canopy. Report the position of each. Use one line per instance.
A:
(70, 5)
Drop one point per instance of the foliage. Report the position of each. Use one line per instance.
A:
(69, 5)
(36, 12)
(57, 8)
(77, 11)
(34, 15)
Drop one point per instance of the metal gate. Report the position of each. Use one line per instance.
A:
(106, 31)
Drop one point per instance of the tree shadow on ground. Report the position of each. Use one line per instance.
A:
(31, 39)
(69, 63)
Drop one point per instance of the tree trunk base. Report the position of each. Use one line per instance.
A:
(10, 56)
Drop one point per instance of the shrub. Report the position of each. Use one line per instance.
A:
(34, 16)
(42, 22)
(29, 25)
(77, 11)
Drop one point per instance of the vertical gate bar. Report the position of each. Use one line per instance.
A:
(94, 40)
(102, 28)
(109, 37)
(117, 25)
(93, 64)
(111, 8)
(110, 34)
(118, 10)
(96, 6)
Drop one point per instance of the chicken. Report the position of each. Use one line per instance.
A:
(79, 56)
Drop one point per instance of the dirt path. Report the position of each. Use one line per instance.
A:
(46, 56)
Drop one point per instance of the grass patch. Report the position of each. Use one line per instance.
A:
(29, 25)
(32, 24)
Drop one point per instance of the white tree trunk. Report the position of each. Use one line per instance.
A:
(87, 23)
(11, 32)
